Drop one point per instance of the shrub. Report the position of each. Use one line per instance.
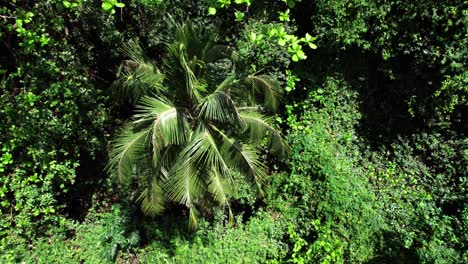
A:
(257, 241)
(102, 238)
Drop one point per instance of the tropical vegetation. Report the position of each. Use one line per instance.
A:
(233, 131)
(189, 134)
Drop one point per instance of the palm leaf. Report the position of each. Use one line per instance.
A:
(170, 125)
(184, 186)
(188, 175)
(152, 198)
(243, 157)
(180, 146)
(260, 127)
(151, 107)
(266, 86)
(218, 187)
(219, 107)
(227, 83)
(129, 148)
(138, 76)
(177, 65)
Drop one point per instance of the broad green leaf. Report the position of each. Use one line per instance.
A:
(252, 36)
(295, 58)
(284, 16)
(106, 6)
(281, 42)
(66, 4)
(239, 16)
(212, 11)
(291, 3)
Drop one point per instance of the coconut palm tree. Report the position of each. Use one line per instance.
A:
(188, 133)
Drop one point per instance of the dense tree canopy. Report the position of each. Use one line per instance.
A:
(281, 131)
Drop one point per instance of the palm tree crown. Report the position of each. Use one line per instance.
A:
(188, 133)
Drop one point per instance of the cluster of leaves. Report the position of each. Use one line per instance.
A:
(257, 241)
(350, 204)
(331, 203)
(276, 32)
(113, 236)
(412, 86)
(102, 238)
(418, 229)
(50, 115)
(110, 5)
(430, 37)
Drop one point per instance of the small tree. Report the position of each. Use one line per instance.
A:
(188, 135)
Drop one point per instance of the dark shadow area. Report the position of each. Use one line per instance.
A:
(90, 177)
(391, 251)
(387, 94)
(394, 95)
(163, 229)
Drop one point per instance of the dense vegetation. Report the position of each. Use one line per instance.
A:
(245, 131)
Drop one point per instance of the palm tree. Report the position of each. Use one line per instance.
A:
(188, 135)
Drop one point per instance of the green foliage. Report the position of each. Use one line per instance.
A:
(376, 119)
(276, 33)
(110, 5)
(261, 53)
(432, 48)
(327, 180)
(257, 241)
(49, 114)
(102, 238)
(325, 249)
(182, 146)
(110, 237)
(352, 27)
(415, 222)
(450, 98)
(387, 205)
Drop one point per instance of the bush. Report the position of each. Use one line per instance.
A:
(257, 241)
(102, 238)
(325, 187)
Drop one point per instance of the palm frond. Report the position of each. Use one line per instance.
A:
(193, 217)
(227, 83)
(260, 127)
(248, 160)
(191, 81)
(219, 107)
(129, 148)
(243, 157)
(150, 107)
(138, 76)
(200, 154)
(218, 187)
(205, 152)
(188, 55)
(170, 125)
(152, 199)
(199, 41)
(184, 186)
(267, 87)
(178, 64)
